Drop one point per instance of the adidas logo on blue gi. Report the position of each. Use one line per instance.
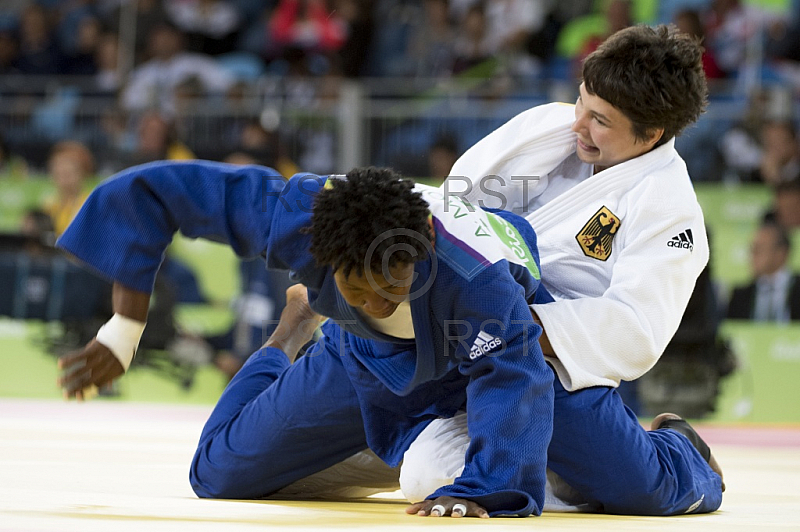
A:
(483, 344)
(683, 240)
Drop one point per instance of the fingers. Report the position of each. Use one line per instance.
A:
(448, 506)
(71, 358)
(74, 378)
(94, 365)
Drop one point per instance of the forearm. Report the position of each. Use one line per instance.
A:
(509, 432)
(128, 221)
(130, 303)
(544, 341)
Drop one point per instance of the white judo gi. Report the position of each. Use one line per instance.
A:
(620, 253)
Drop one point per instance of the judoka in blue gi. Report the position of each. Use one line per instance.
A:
(429, 305)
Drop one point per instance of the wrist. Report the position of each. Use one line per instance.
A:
(121, 336)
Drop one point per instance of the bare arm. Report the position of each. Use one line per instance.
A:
(95, 364)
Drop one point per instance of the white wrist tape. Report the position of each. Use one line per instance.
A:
(121, 336)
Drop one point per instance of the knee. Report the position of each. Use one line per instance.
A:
(209, 482)
(435, 458)
(220, 479)
(420, 476)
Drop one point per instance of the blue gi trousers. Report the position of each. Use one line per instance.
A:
(277, 423)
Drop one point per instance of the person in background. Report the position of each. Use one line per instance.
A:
(11, 166)
(780, 158)
(773, 295)
(786, 205)
(442, 154)
(158, 139)
(38, 51)
(152, 84)
(70, 165)
(688, 21)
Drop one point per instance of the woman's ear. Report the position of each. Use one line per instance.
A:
(653, 136)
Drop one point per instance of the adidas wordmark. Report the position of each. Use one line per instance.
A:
(683, 240)
(483, 344)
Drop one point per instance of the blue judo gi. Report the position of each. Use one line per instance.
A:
(475, 348)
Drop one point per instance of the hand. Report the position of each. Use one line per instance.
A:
(448, 503)
(95, 365)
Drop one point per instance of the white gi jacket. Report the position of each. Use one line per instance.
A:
(620, 291)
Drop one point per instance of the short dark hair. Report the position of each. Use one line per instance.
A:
(371, 205)
(654, 75)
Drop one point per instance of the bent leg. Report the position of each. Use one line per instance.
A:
(437, 457)
(277, 423)
(599, 448)
(359, 476)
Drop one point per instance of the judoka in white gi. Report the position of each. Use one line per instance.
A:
(620, 232)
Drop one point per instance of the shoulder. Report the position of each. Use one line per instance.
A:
(550, 114)
(666, 188)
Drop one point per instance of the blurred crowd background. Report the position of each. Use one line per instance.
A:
(89, 87)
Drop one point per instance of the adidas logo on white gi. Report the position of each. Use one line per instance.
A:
(484, 343)
(682, 240)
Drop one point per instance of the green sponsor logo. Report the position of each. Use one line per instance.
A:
(509, 235)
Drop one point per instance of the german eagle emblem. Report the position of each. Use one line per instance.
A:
(596, 236)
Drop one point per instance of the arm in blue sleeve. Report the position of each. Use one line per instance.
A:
(129, 220)
(509, 400)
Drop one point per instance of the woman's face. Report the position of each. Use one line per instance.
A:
(66, 173)
(605, 134)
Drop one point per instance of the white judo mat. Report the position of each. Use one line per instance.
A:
(109, 466)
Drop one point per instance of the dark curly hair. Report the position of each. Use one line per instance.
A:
(654, 75)
(372, 205)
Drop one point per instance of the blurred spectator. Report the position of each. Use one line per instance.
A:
(260, 146)
(107, 77)
(729, 26)
(472, 45)
(510, 24)
(181, 280)
(780, 159)
(152, 84)
(309, 25)
(210, 26)
(37, 223)
(157, 140)
(774, 293)
(82, 60)
(38, 52)
(38, 227)
(9, 52)
(740, 145)
(358, 19)
(688, 21)
(783, 43)
(70, 165)
(429, 49)
(68, 16)
(617, 17)
(12, 166)
(442, 156)
(786, 212)
(149, 14)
